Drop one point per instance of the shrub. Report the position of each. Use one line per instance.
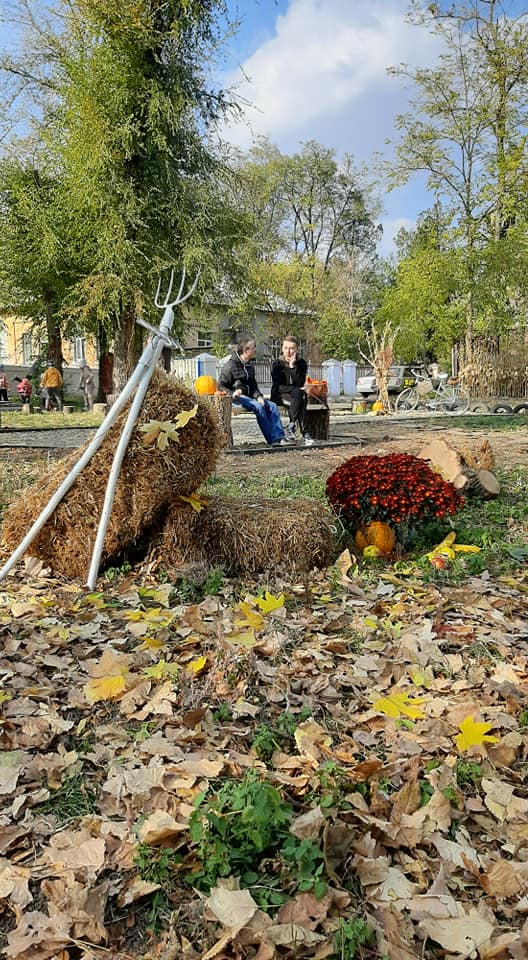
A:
(396, 488)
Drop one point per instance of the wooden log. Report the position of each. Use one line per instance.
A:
(443, 458)
(317, 421)
(469, 477)
(481, 485)
(224, 409)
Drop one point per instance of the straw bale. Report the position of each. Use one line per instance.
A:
(248, 535)
(150, 478)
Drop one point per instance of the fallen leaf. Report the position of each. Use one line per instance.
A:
(473, 734)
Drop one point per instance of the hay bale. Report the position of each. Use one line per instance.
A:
(248, 535)
(149, 479)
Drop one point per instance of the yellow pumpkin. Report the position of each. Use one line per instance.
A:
(205, 386)
(376, 534)
(378, 407)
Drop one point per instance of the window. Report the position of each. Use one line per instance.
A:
(78, 345)
(275, 345)
(27, 347)
(205, 338)
(3, 347)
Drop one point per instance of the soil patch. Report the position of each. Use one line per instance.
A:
(510, 447)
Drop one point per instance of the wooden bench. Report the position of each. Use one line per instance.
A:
(317, 419)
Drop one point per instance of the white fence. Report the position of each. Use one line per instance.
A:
(341, 376)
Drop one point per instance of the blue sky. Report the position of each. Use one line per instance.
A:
(316, 69)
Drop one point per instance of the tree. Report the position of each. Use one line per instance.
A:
(422, 296)
(312, 217)
(126, 124)
(464, 130)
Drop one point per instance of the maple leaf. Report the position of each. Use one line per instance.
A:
(269, 602)
(151, 431)
(195, 501)
(251, 618)
(244, 638)
(196, 666)
(183, 418)
(104, 688)
(473, 734)
(162, 670)
(151, 643)
(400, 704)
(155, 615)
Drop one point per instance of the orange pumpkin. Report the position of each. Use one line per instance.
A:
(376, 534)
(378, 407)
(205, 386)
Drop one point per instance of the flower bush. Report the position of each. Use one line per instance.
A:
(395, 489)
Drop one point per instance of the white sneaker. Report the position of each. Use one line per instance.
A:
(308, 440)
(280, 443)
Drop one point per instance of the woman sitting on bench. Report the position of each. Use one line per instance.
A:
(288, 376)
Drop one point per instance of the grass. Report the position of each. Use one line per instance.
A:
(499, 527)
(50, 421)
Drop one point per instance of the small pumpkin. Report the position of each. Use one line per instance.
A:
(205, 386)
(376, 534)
(377, 407)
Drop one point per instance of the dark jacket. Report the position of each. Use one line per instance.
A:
(237, 375)
(284, 377)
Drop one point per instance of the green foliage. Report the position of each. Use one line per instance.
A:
(114, 573)
(158, 865)
(277, 736)
(130, 184)
(235, 826)
(73, 799)
(304, 862)
(350, 936)
(468, 773)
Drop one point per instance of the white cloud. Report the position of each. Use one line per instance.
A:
(391, 227)
(323, 74)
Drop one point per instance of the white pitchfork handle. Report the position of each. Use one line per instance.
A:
(140, 378)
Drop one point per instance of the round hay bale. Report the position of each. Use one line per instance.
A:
(149, 479)
(248, 535)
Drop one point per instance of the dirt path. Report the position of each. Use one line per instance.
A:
(510, 447)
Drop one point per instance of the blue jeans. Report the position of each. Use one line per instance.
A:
(268, 417)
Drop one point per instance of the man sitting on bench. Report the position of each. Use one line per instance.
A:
(288, 376)
(237, 377)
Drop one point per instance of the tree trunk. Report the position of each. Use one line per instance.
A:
(53, 333)
(127, 349)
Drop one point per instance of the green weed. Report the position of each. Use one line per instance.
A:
(114, 573)
(304, 862)
(350, 936)
(73, 799)
(234, 827)
(277, 736)
(467, 773)
(158, 865)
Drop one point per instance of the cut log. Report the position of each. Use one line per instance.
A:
(464, 468)
(444, 459)
(481, 484)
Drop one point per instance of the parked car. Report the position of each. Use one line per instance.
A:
(400, 377)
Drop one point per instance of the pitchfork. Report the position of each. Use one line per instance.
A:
(140, 379)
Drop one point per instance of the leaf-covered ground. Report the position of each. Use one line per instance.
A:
(194, 767)
(120, 709)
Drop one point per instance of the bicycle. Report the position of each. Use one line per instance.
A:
(446, 395)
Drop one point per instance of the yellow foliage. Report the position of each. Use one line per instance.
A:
(104, 688)
(473, 734)
(400, 705)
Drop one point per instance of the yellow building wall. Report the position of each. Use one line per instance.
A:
(12, 338)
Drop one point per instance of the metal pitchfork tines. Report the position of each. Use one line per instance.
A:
(140, 379)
